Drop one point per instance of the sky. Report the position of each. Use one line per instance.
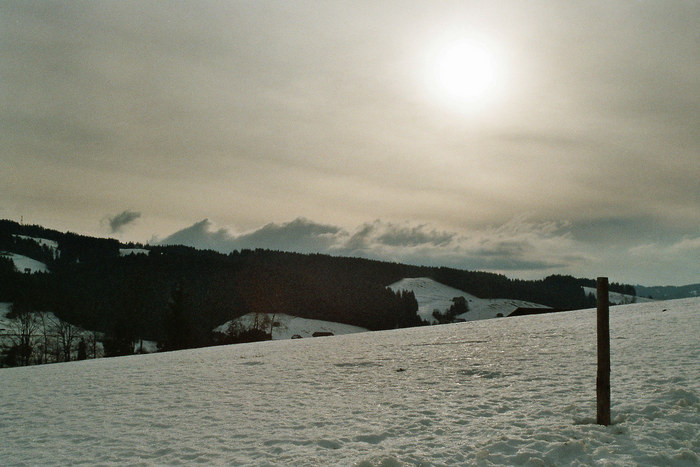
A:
(525, 138)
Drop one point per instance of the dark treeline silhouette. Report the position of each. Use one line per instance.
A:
(149, 296)
(177, 295)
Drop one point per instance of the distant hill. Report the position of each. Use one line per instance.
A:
(616, 298)
(668, 292)
(288, 327)
(432, 295)
(129, 292)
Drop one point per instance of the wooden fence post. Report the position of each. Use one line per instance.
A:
(603, 376)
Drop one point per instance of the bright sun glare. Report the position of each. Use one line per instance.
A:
(465, 74)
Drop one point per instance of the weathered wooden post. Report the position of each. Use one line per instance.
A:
(603, 376)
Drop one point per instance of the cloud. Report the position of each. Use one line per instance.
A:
(300, 235)
(378, 234)
(201, 235)
(518, 245)
(671, 260)
(291, 108)
(521, 247)
(118, 222)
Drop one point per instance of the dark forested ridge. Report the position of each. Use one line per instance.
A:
(176, 295)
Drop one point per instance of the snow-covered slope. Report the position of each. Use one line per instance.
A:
(517, 391)
(52, 244)
(292, 325)
(47, 323)
(616, 298)
(43, 242)
(25, 264)
(29, 265)
(432, 295)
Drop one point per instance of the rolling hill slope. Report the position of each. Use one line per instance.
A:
(432, 295)
(517, 391)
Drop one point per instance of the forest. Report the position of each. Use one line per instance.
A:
(176, 295)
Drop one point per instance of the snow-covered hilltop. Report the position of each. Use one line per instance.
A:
(432, 295)
(518, 391)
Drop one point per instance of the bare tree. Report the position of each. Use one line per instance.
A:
(66, 334)
(22, 331)
(272, 322)
(261, 321)
(44, 324)
(234, 329)
(92, 343)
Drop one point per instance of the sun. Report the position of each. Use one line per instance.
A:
(464, 71)
(466, 74)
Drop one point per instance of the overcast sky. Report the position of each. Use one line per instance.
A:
(319, 126)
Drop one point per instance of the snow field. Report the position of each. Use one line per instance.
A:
(618, 298)
(9, 326)
(515, 391)
(41, 241)
(432, 295)
(293, 325)
(26, 264)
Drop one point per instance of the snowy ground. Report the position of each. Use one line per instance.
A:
(41, 241)
(432, 295)
(618, 298)
(293, 325)
(25, 264)
(515, 391)
(9, 327)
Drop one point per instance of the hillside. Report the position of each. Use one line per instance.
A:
(176, 295)
(518, 391)
(287, 326)
(669, 292)
(25, 264)
(432, 295)
(48, 338)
